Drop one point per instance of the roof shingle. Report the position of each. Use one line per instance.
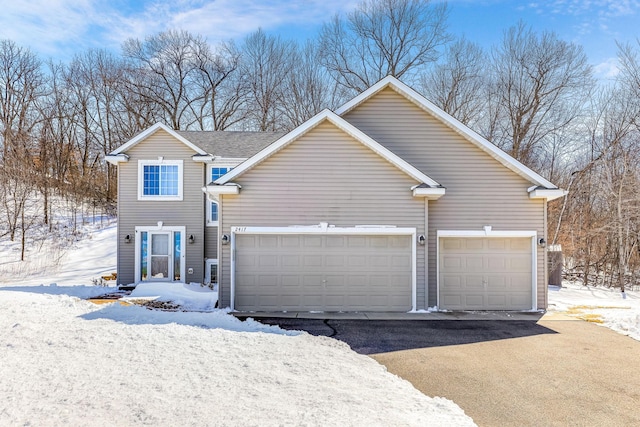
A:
(233, 144)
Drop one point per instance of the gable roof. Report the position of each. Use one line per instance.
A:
(342, 124)
(150, 131)
(232, 144)
(451, 122)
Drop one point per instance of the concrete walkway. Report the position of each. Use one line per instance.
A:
(577, 374)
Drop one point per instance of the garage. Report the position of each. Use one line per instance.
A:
(329, 270)
(486, 273)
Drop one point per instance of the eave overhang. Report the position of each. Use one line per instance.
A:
(203, 158)
(217, 189)
(429, 193)
(547, 193)
(114, 159)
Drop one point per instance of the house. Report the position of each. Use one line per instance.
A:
(386, 205)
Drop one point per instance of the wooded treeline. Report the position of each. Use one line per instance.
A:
(533, 95)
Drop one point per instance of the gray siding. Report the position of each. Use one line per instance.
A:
(325, 176)
(188, 213)
(479, 190)
(211, 240)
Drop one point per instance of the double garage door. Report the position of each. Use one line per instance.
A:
(493, 273)
(323, 272)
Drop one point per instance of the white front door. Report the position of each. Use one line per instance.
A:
(160, 255)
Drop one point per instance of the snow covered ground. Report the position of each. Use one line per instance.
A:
(603, 306)
(68, 361)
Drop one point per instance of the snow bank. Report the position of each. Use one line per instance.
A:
(190, 296)
(69, 362)
(602, 305)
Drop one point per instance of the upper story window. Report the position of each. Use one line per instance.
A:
(160, 179)
(215, 172)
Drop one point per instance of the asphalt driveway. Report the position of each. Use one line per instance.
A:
(556, 371)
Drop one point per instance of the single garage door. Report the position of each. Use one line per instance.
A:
(485, 273)
(317, 272)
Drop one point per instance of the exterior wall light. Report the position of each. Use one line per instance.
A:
(127, 238)
(542, 243)
(226, 239)
(421, 239)
(192, 238)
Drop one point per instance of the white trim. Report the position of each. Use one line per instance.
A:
(115, 159)
(450, 121)
(209, 221)
(231, 162)
(150, 131)
(487, 232)
(341, 124)
(207, 158)
(160, 161)
(208, 262)
(429, 193)
(547, 193)
(160, 228)
(219, 162)
(325, 228)
(230, 188)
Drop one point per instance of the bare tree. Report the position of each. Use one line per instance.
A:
(310, 88)
(381, 38)
(267, 62)
(164, 71)
(223, 89)
(540, 86)
(21, 81)
(458, 84)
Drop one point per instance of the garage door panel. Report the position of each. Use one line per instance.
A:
(311, 241)
(522, 263)
(246, 261)
(472, 282)
(451, 282)
(520, 245)
(473, 244)
(268, 241)
(290, 241)
(485, 273)
(290, 260)
(335, 241)
(497, 283)
(335, 261)
(496, 245)
(357, 261)
(474, 301)
(330, 273)
(452, 263)
(473, 262)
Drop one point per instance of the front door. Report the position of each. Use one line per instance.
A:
(160, 256)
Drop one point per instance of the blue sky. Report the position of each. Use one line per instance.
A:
(59, 28)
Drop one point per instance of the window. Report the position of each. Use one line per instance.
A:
(160, 180)
(211, 273)
(215, 172)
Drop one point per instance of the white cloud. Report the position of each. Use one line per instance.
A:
(607, 69)
(46, 26)
(60, 28)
